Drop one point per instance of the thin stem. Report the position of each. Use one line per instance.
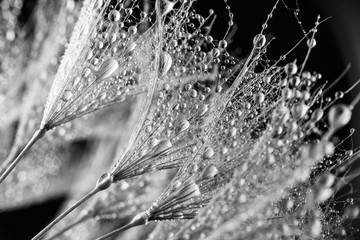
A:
(37, 135)
(71, 225)
(133, 223)
(64, 214)
(355, 101)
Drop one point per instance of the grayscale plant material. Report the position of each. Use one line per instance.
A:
(248, 146)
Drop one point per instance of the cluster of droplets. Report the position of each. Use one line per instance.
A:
(178, 110)
(113, 61)
(274, 123)
(226, 126)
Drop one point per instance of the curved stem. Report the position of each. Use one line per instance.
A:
(64, 214)
(37, 135)
(71, 225)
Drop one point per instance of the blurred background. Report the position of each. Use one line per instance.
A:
(338, 44)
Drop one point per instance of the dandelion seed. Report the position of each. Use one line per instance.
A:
(88, 45)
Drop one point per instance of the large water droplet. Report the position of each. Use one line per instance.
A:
(165, 63)
(114, 16)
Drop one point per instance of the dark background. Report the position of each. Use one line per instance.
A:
(338, 44)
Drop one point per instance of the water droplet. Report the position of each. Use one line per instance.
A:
(86, 72)
(351, 211)
(339, 116)
(209, 153)
(326, 180)
(98, 4)
(193, 168)
(204, 108)
(259, 97)
(114, 16)
(317, 115)
(178, 215)
(210, 172)
(311, 42)
(89, 55)
(132, 30)
(290, 69)
(165, 63)
(162, 148)
(209, 39)
(259, 41)
(216, 52)
(106, 69)
(193, 93)
(299, 110)
(223, 44)
(66, 95)
(104, 181)
(339, 94)
(181, 125)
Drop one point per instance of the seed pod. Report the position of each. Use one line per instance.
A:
(106, 69)
(339, 116)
